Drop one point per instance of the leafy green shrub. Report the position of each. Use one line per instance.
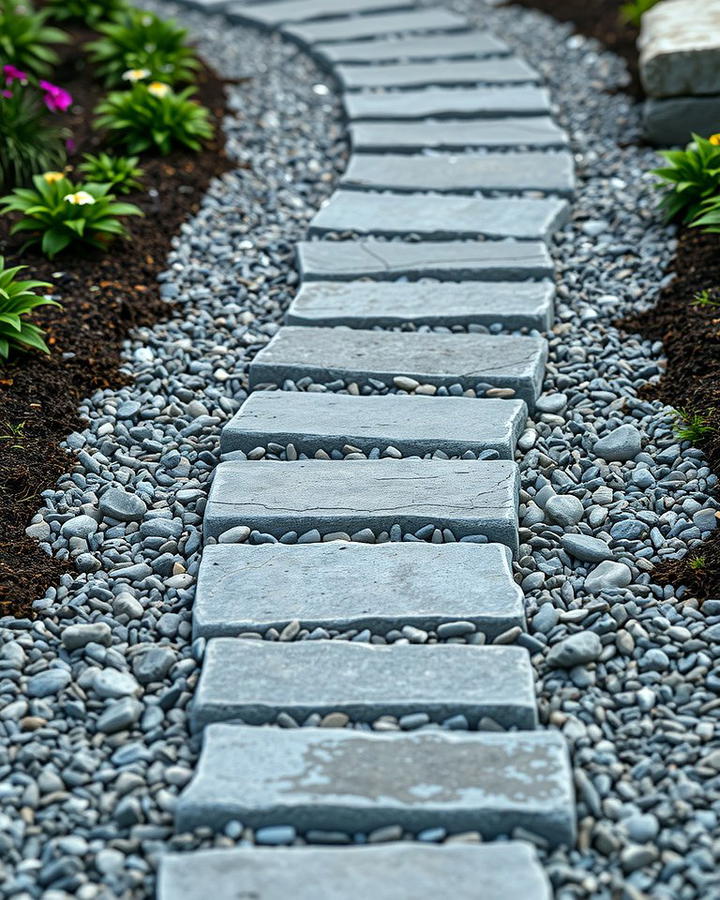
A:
(17, 299)
(153, 115)
(24, 37)
(633, 11)
(90, 12)
(59, 213)
(142, 42)
(693, 176)
(120, 172)
(692, 426)
(708, 217)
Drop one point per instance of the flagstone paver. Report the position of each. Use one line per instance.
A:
(277, 12)
(403, 136)
(382, 25)
(506, 70)
(468, 45)
(448, 103)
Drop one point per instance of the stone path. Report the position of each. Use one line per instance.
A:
(320, 523)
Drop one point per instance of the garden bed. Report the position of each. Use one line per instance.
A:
(103, 296)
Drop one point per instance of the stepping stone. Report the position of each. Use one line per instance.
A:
(449, 261)
(440, 217)
(469, 498)
(472, 45)
(345, 780)
(507, 871)
(415, 425)
(273, 14)
(383, 25)
(462, 173)
(416, 75)
(411, 137)
(329, 354)
(364, 304)
(341, 585)
(449, 103)
(253, 681)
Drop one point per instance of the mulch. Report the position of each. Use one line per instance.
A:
(103, 297)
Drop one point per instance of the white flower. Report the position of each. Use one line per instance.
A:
(135, 74)
(79, 198)
(158, 89)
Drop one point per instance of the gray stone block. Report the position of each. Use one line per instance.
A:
(272, 14)
(364, 304)
(255, 680)
(449, 103)
(471, 45)
(506, 871)
(415, 425)
(346, 780)
(326, 354)
(505, 70)
(341, 585)
(673, 121)
(382, 25)
(440, 217)
(449, 261)
(411, 137)
(462, 173)
(467, 497)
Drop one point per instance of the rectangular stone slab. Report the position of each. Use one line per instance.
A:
(413, 137)
(363, 304)
(472, 45)
(449, 261)
(346, 780)
(467, 497)
(461, 173)
(272, 14)
(438, 217)
(327, 354)
(506, 70)
(449, 103)
(382, 25)
(415, 425)
(253, 681)
(341, 585)
(507, 871)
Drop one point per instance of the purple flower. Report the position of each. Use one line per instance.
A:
(12, 73)
(70, 145)
(56, 99)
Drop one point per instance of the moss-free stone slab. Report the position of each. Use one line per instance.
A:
(354, 355)
(506, 871)
(274, 498)
(413, 137)
(345, 780)
(506, 70)
(675, 119)
(254, 681)
(508, 260)
(462, 173)
(440, 217)
(471, 45)
(341, 585)
(448, 103)
(365, 27)
(272, 14)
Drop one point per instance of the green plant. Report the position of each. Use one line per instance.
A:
(24, 37)
(10, 432)
(692, 426)
(633, 11)
(154, 115)
(708, 217)
(121, 172)
(141, 42)
(58, 213)
(693, 176)
(697, 562)
(17, 299)
(90, 12)
(705, 298)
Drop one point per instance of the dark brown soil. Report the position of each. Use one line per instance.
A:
(103, 296)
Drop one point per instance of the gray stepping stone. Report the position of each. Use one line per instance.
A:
(327, 354)
(412, 137)
(462, 173)
(472, 45)
(382, 25)
(415, 75)
(469, 498)
(364, 304)
(345, 780)
(506, 871)
(253, 681)
(415, 425)
(341, 585)
(449, 103)
(272, 14)
(450, 261)
(438, 217)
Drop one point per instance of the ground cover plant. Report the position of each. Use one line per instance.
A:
(18, 298)
(122, 172)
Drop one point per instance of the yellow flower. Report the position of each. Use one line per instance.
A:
(135, 74)
(79, 198)
(158, 89)
(715, 139)
(52, 177)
